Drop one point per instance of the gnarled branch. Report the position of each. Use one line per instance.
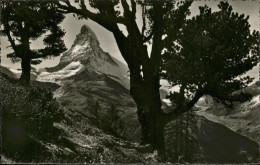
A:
(133, 7)
(104, 20)
(148, 37)
(8, 34)
(188, 106)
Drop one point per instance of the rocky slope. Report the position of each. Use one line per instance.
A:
(225, 146)
(214, 142)
(243, 118)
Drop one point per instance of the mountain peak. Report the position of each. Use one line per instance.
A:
(87, 50)
(86, 35)
(85, 29)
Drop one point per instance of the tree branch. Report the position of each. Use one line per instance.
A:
(122, 43)
(103, 20)
(82, 5)
(68, 9)
(8, 33)
(133, 7)
(144, 21)
(109, 20)
(188, 106)
(126, 7)
(148, 37)
(127, 13)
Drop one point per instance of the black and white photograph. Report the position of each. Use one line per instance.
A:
(130, 81)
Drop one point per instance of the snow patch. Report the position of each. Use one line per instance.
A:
(15, 71)
(151, 156)
(80, 48)
(167, 101)
(84, 145)
(126, 76)
(18, 72)
(167, 86)
(203, 102)
(255, 101)
(58, 93)
(56, 77)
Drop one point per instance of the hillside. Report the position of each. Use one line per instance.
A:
(77, 137)
(243, 118)
(70, 136)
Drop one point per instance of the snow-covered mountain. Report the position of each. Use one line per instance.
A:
(87, 76)
(16, 73)
(86, 57)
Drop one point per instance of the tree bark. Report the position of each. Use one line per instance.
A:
(146, 94)
(155, 118)
(157, 139)
(26, 70)
(144, 125)
(26, 60)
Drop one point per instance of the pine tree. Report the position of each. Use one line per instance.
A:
(24, 22)
(181, 140)
(210, 56)
(112, 116)
(96, 109)
(144, 67)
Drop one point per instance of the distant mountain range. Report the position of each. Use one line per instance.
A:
(243, 118)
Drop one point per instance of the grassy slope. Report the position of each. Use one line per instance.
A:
(75, 138)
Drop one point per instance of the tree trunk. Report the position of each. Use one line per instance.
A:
(146, 95)
(137, 91)
(26, 70)
(144, 86)
(187, 158)
(157, 133)
(144, 125)
(155, 114)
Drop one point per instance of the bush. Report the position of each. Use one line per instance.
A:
(34, 106)
(28, 114)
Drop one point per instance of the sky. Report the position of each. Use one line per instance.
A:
(72, 27)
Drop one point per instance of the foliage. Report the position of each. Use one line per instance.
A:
(28, 113)
(112, 115)
(109, 122)
(32, 24)
(26, 21)
(31, 105)
(181, 142)
(210, 55)
(96, 109)
(113, 119)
